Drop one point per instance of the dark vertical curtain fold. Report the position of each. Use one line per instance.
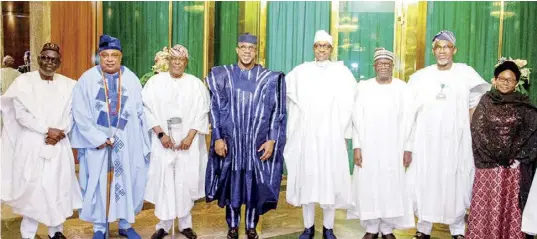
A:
(142, 28)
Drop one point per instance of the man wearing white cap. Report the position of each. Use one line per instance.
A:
(320, 98)
(176, 105)
(442, 170)
(381, 140)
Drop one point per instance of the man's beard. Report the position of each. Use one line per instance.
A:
(45, 73)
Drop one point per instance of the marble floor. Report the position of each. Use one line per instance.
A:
(209, 223)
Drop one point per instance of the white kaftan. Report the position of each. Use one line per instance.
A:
(442, 171)
(382, 120)
(38, 180)
(319, 103)
(176, 178)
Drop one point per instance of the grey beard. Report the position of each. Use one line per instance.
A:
(45, 73)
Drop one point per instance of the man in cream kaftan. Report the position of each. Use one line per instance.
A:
(381, 135)
(442, 171)
(8, 73)
(38, 168)
(320, 98)
(179, 102)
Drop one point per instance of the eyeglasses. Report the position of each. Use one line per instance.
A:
(445, 47)
(322, 46)
(48, 58)
(511, 81)
(247, 48)
(385, 65)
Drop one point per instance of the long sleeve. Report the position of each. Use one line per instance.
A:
(201, 121)
(142, 120)
(85, 132)
(215, 106)
(478, 87)
(148, 106)
(346, 101)
(69, 121)
(409, 112)
(277, 119)
(357, 115)
(27, 120)
(355, 131)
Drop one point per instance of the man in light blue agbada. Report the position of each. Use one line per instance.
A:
(108, 133)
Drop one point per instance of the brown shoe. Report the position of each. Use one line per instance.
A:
(370, 236)
(421, 235)
(388, 236)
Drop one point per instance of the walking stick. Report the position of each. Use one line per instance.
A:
(109, 177)
(170, 121)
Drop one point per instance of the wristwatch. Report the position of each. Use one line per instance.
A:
(160, 135)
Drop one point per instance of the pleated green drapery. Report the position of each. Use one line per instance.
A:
(291, 28)
(520, 36)
(226, 32)
(142, 28)
(364, 26)
(187, 28)
(475, 25)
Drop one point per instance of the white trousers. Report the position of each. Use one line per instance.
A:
(308, 212)
(184, 223)
(29, 228)
(456, 228)
(375, 226)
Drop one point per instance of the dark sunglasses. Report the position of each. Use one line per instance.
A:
(48, 58)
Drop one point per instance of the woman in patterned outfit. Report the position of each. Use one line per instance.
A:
(504, 135)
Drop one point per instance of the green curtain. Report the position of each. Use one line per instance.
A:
(142, 28)
(291, 28)
(475, 25)
(226, 32)
(519, 37)
(187, 30)
(363, 26)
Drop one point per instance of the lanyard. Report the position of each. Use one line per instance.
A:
(118, 106)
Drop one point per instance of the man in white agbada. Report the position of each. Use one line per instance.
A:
(38, 168)
(176, 106)
(382, 120)
(529, 216)
(320, 98)
(442, 170)
(8, 73)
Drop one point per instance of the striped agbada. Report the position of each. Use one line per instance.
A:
(247, 109)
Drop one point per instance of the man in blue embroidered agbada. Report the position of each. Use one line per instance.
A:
(109, 123)
(248, 116)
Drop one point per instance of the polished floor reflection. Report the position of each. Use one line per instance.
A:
(209, 222)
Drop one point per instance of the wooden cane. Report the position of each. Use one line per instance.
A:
(109, 177)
